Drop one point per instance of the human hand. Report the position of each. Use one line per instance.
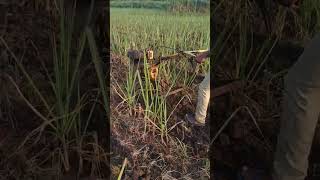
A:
(200, 57)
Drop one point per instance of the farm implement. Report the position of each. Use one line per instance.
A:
(137, 61)
(153, 62)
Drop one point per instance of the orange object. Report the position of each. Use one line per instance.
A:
(154, 72)
(150, 55)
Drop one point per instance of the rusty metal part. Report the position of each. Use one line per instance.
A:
(150, 55)
(154, 72)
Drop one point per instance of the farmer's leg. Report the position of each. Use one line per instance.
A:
(203, 99)
(300, 115)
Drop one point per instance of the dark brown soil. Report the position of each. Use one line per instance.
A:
(26, 27)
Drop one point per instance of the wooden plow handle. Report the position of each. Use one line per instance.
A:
(166, 58)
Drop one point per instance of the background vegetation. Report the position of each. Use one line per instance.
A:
(169, 5)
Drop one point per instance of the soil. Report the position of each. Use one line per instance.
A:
(149, 155)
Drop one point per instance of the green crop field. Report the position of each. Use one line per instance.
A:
(143, 27)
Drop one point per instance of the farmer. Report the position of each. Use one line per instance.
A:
(300, 115)
(301, 110)
(203, 96)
